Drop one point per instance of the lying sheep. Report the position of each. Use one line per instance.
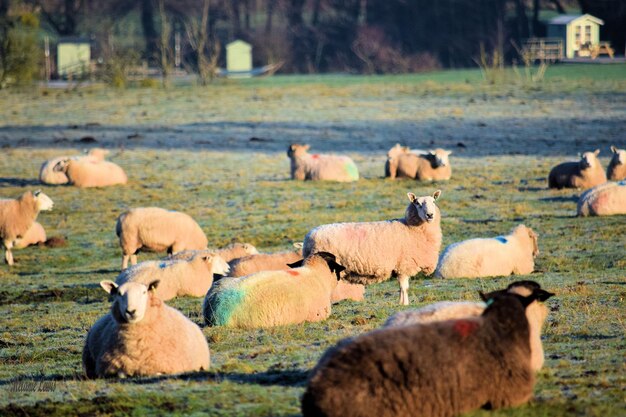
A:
(391, 165)
(431, 166)
(177, 278)
(429, 370)
(85, 173)
(34, 235)
(305, 166)
(616, 171)
(48, 175)
(603, 200)
(586, 173)
(373, 252)
(142, 336)
(275, 298)
(229, 253)
(536, 313)
(17, 217)
(157, 230)
(487, 257)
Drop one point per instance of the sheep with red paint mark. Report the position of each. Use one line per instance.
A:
(305, 166)
(606, 199)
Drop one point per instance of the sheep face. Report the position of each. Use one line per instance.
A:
(62, 166)
(249, 249)
(441, 157)
(523, 231)
(297, 150)
(217, 264)
(619, 156)
(131, 300)
(425, 206)
(44, 203)
(589, 159)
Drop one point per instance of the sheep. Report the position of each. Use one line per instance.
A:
(438, 369)
(157, 230)
(177, 278)
(305, 166)
(142, 336)
(229, 253)
(47, 174)
(486, 257)
(280, 261)
(431, 166)
(449, 310)
(17, 217)
(391, 165)
(85, 173)
(616, 171)
(275, 298)
(603, 200)
(375, 251)
(586, 173)
(34, 235)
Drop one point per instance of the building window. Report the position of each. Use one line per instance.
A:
(588, 33)
(577, 35)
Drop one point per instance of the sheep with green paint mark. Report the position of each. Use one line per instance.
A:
(275, 298)
(305, 166)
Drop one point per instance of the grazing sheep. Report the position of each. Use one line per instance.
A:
(305, 166)
(275, 298)
(536, 313)
(17, 217)
(157, 230)
(229, 253)
(616, 171)
(502, 255)
(603, 200)
(440, 369)
(48, 175)
(142, 336)
(86, 173)
(177, 278)
(373, 252)
(431, 166)
(34, 235)
(586, 173)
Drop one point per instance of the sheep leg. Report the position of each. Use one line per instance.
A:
(125, 261)
(133, 259)
(8, 255)
(403, 281)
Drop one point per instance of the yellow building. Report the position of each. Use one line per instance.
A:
(73, 56)
(579, 33)
(239, 59)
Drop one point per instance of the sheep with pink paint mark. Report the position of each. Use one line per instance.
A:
(606, 199)
(305, 166)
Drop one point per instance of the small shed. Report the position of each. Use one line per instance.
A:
(578, 32)
(239, 59)
(73, 57)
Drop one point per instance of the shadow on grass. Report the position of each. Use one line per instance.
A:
(573, 198)
(81, 293)
(18, 182)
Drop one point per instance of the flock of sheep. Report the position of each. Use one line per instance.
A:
(440, 360)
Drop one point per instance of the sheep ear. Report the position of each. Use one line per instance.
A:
(336, 268)
(36, 193)
(482, 296)
(298, 245)
(296, 264)
(153, 285)
(292, 146)
(412, 197)
(207, 258)
(437, 194)
(448, 152)
(431, 152)
(109, 286)
(542, 295)
(307, 147)
(613, 149)
(596, 152)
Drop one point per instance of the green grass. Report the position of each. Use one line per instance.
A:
(51, 297)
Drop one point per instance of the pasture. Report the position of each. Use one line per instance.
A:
(218, 153)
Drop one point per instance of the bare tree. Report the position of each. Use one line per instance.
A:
(206, 47)
(165, 49)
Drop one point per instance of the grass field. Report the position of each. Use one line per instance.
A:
(192, 149)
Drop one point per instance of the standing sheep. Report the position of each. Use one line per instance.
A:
(440, 369)
(47, 174)
(536, 313)
(275, 298)
(603, 200)
(586, 173)
(17, 217)
(157, 230)
(86, 173)
(142, 336)
(431, 166)
(305, 166)
(177, 278)
(616, 171)
(373, 252)
(501, 255)
(229, 253)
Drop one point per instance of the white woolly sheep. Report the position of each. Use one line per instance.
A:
(616, 171)
(17, 216)
(429, 370)
(586, 173)
(487, 257)
(48, 175)
(536, 313)
(274, 298)
(177, 278)
(305, 166)
(603, 200)
(86, 173)
(158, 230)
(142, 336)
(373, 252)
(228, 253)
(34, 235)
(431, 166)
(391, 165)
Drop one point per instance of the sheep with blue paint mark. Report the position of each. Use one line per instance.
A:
(305, 166)
(275, 298)
(182, 277)
(486, 257)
